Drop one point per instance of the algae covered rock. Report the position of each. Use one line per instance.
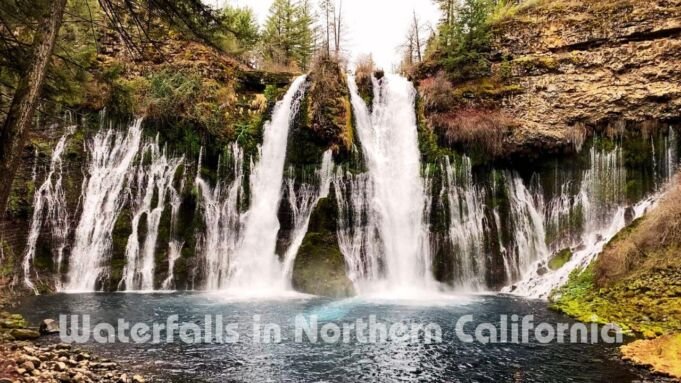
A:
(560, 259)
(320, 267)
(24, 334)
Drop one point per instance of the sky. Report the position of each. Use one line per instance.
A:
(378, 27)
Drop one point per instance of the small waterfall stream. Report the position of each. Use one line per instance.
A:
(601, 204)
(49, 203)
(255, 266)
(152, 182)
(303, 204)
(466, 225)
(220, 210)
(112, 156)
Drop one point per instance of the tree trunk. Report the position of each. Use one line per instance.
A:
(20, 116)
(418, 37)
(339, 25)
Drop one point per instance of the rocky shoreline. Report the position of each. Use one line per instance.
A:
(24, 360)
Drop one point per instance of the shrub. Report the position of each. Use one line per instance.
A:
(474, 128)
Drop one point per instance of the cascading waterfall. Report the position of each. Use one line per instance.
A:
(49, 203)
(466, 226)
(357, 236)
(239, 248)
(255, 266)
(152, 183)
(600, 202)
(220, 208)
(527, 224)
(302, 204)
(174, 246)
(112, 156)
(390, 145)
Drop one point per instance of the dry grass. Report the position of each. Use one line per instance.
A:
(437, 93)
(365, 66)
(364, 69)
(663, 354)
(649, 243)
(474, 129)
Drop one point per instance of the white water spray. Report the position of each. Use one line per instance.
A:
(112, 156)
(255, 266)
(303, 204)
(49, 203)
(220, 209)
(152, 183)
(466, 226)
(390, 145)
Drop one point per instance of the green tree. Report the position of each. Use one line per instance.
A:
(464, 37)
(306, 35)
(26, 96)
(241, 32)
(289, 36)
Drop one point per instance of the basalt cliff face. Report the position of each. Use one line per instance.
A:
(562, 70)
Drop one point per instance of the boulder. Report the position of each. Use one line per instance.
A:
(49, 326)
(24, 334)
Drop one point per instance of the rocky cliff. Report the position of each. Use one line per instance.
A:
(559, 71)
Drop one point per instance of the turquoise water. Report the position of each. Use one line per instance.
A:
(287, 360)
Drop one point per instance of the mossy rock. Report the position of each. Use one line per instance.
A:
(12, 321)
(320, 267)
(560, 259)
(24, 334)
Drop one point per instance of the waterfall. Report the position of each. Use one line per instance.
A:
(466, 226)
(600, 204)
(238, 248)
(255, 266)
(220, 209)
(112, 156)
(303, 204)
(153, 181)
(174, 246)
(49, 203)
(357, 237)
(527, 224)
(397, 201)
(671, 154)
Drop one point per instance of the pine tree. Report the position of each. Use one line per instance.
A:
(279, 31)
(306, 35)
(289, 36)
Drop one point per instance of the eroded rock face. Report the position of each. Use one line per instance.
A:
(563, 69)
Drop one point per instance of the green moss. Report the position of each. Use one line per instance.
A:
(119, 241)
(486, 88)
(541, 63)
(319, 267)
(8, 263)
(328, 107)
(646, 303)
(560, 259)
